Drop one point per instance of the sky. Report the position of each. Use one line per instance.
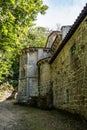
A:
(60, 12)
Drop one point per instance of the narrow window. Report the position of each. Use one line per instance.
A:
(23, 73)
(73, 50)
(67, 95)
(39, 75)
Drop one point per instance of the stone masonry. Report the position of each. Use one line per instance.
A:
(56, 75)
(69, 73)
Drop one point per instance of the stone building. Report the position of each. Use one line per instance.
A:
(56, 76)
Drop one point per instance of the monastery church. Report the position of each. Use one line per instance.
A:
(56, 76)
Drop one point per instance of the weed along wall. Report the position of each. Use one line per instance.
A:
(45, 87)
(69, 73)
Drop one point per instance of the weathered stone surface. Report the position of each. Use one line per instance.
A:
(28, 73)
(61, 84)
(69, 74)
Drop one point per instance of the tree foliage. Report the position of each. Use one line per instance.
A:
(16, 16)
(37, 37)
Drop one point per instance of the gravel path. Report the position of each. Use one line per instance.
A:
(14, 117)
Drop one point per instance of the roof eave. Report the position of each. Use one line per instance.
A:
(80, 18)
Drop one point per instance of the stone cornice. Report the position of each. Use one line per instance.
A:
(44, 60)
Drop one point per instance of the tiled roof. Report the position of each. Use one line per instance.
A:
(79, 19)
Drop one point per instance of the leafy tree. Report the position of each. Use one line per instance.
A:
(37, 37)
(16, 16)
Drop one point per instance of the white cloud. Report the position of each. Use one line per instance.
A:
(58, 14)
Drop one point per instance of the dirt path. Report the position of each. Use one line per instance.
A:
(14, 117)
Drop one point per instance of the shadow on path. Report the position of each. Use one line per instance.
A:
(15, 117)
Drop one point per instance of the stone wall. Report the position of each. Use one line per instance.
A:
(32, 73)
(43, 53)
(65, 30)
(51, 39)
(33, 56)
(69, 74)
(28, 73)
(22, 74)
(45, 86)
(63, 82)
(22, 87)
